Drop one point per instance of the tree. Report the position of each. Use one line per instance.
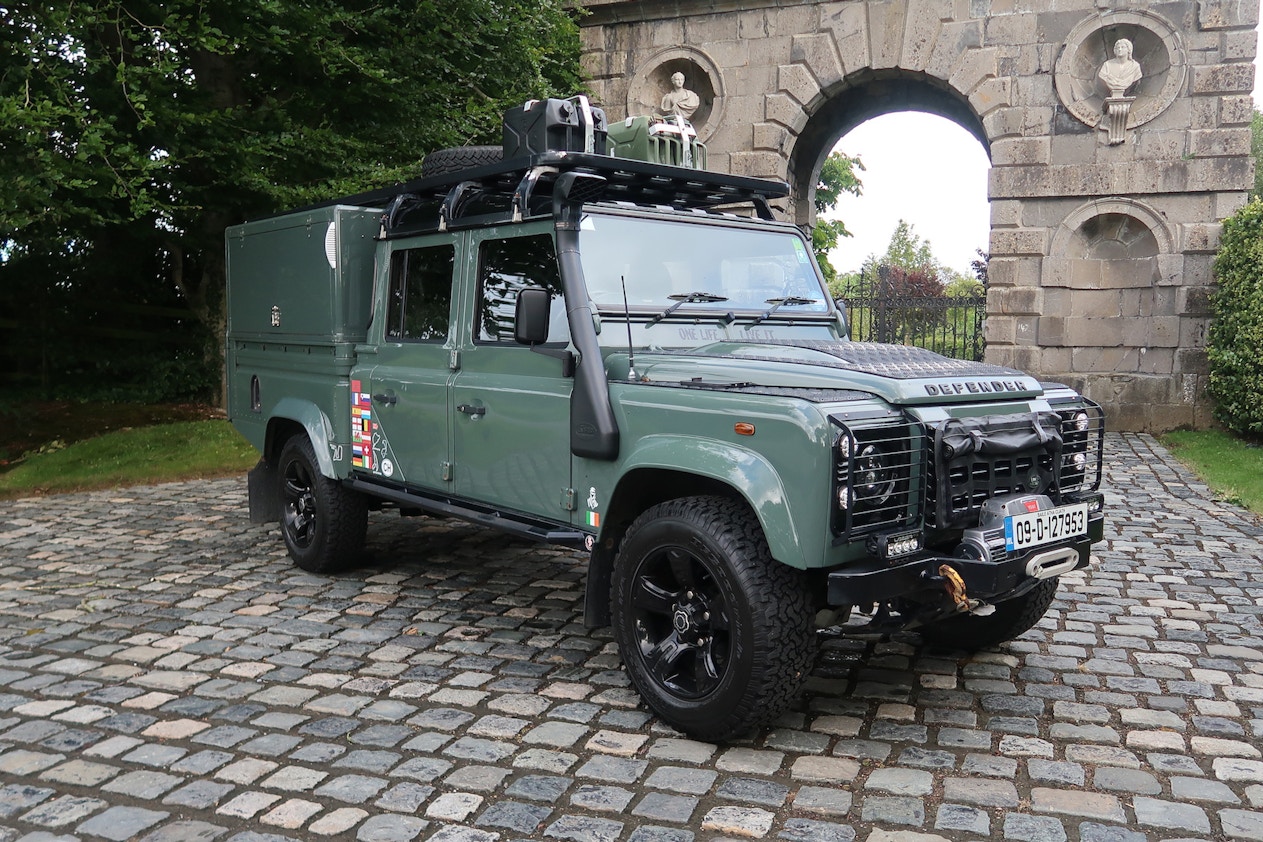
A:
(1236, 330)
(1256, 149)
(132, 132)
(980, 266)
(908, 266)
(908, 251)
(837, 176)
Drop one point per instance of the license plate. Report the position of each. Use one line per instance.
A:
(1050, 525)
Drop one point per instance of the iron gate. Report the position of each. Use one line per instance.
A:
(880, 310)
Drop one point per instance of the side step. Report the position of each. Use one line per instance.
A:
(519, 525)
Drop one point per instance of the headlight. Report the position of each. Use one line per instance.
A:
(1080, 462)
(874, 475)
(1081, 421)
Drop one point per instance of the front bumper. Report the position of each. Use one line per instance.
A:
(920, 578)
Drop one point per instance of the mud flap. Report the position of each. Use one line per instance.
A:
(265, 498)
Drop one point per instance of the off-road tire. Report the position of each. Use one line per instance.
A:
(323, 523)
(716, 635)
(1011, 618)
(459, 158)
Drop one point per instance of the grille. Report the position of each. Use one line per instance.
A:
(1005, 454)
(967, 486)
(1010, 456)
(874, 471)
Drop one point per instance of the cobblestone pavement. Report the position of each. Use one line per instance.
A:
(166, 674)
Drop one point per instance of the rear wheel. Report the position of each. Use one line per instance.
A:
(716, 635)
(1010, 619)
(323, 522)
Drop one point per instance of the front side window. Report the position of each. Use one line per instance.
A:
(505, 268)
(420, 304)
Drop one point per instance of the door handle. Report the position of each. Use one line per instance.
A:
(386, 399)
(471, 410)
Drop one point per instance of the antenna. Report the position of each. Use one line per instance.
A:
(631, 365)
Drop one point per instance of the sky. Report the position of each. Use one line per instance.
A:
(928, 171)
(923, 169)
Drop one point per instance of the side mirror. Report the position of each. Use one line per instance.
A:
(531, 316)
(842, 315)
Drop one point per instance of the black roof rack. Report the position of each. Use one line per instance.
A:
(515, 182)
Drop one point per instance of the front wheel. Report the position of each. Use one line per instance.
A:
(716, 635)
(323, 522)
(1010, 619)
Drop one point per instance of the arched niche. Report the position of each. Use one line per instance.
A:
(1114, 228)
(1156, 44)
(701, 76)
(1113, 245)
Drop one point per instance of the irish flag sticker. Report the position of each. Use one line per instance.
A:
(594, 517)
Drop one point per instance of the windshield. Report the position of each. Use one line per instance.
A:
(690, 266)
(737, 282)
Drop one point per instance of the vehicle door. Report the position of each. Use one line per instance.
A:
(403, 425)
(511, 424)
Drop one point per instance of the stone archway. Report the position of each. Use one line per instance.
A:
(862, 97)
(1157, 163)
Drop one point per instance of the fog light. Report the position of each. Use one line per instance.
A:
(844, 446)
(892, 545)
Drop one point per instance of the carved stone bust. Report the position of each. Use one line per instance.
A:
(1122, 71)
(679, 100)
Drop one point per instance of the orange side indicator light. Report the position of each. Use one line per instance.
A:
(744, 428)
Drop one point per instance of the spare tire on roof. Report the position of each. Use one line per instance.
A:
(459, 158)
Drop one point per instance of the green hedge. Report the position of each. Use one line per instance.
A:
(1236, 332)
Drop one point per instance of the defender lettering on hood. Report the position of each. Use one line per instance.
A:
(980, 387)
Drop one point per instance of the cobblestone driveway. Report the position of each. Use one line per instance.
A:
(165, 674)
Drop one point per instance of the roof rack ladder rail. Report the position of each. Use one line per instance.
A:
(451, 203)
(522, 195)
(394, 210)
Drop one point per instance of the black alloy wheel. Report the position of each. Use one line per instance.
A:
(323, 522)
(717, 636)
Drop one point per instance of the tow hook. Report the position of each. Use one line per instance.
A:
(952, 582)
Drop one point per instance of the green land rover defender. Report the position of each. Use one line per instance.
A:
(636, 359)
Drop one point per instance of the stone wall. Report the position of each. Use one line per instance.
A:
(1105, 204)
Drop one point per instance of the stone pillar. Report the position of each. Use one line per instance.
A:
(1129, 209)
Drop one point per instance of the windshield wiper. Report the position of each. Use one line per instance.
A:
(681, 299)
(778, 303)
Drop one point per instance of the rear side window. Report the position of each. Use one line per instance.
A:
(420, 305)
(505, 268)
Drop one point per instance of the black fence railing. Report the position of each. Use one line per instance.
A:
(879, 309)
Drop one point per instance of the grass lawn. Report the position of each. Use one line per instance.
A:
(62, 447)
(1231, 466)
